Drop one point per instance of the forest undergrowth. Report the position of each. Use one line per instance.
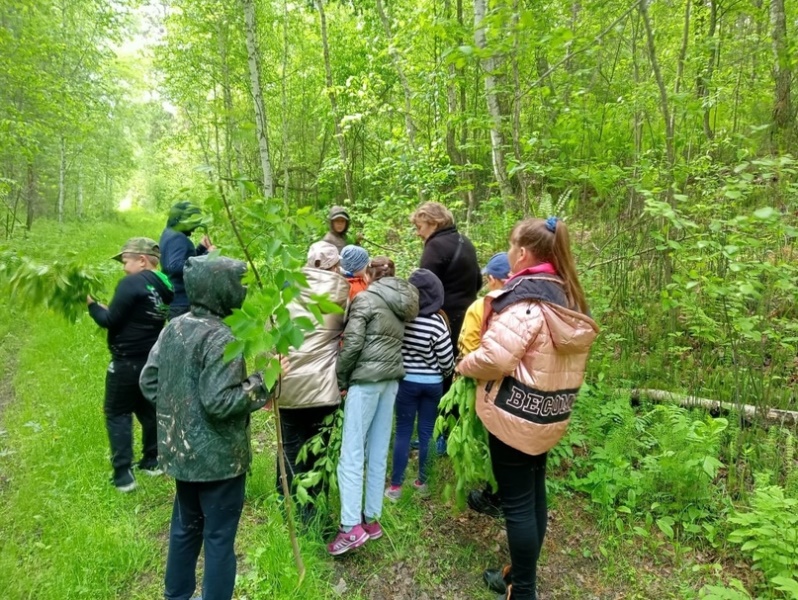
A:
(647, 501)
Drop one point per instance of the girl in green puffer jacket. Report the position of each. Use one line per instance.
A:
(369, 369)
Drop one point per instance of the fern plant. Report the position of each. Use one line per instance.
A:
(768, 533)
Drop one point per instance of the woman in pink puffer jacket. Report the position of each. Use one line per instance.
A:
(530, 365)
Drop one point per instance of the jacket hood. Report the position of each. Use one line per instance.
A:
(162, 284)
(571, 331)
(214, 283)
(335, 212)
(430, 291)
(331, 283)
(399, 295)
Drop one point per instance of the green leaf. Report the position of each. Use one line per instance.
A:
(766, 212)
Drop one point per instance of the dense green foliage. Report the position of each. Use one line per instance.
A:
(660, 130)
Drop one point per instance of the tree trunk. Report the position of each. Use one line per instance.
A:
(768, 416)
(397, 64)
(232, 147)
(517, 107)
(261, 122)
(705, 76)
(62, 179)
(494, 109)
(79, 208)
(284, 94)
(782, 108)
(339, 134)
(30, 196)
(666, 117)
(677, 86)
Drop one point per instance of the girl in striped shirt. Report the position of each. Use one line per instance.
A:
(428, 357)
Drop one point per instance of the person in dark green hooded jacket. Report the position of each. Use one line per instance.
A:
(176, 248)
(203, 407)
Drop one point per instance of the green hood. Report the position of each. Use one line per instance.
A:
(400, 296)
(214, 283)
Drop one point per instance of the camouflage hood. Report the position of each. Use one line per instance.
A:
(214, 283)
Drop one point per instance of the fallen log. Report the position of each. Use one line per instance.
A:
(770, 416)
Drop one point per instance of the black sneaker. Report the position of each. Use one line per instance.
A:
(151, 468)
(483, 501)
(124, 481)
(497, 580)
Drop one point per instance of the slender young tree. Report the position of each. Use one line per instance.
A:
(261, 120)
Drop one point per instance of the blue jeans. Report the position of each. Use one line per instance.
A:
(208, 512)
(368, 416)
(414, 399)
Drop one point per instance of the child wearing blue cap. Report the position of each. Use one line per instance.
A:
(497, 270)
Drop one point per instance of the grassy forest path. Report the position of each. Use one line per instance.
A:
(67, 534)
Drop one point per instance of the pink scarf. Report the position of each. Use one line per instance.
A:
(545, 268)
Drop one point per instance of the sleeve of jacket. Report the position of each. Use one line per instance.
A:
(503, 345)
(445, 353)
(180, 250)
(472, 326)
(354, 340)
(225, 391)
(148, 380)
(119, 309)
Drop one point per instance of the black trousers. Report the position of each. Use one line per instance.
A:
(204, 512)
(522, 489)
(298, 426)
(123, 399)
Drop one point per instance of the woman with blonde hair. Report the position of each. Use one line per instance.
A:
(529, 365)
(452, 258)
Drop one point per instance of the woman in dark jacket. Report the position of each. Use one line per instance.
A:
(452, 257)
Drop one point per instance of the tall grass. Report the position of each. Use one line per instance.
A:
(66, 533)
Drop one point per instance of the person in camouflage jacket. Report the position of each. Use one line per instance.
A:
(203, 407)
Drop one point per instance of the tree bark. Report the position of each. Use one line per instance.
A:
(61, 179)
(782, 108)
(705, 76)
(261, 122)
(677, 86)
(517, 107)
(284, 94)
(232, 147)
(666, 117)
(30, 195)
(339, 134)
(489, 66)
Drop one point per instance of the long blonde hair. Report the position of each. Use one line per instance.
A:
(555, 248)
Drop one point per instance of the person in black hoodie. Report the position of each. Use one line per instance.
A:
(451, 256)
(134, 320)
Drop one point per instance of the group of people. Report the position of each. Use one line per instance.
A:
(390, 353)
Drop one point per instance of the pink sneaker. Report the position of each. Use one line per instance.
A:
(373, 529)
(344, 542)
(421, 488)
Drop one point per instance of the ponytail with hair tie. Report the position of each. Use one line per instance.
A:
(551, 224)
